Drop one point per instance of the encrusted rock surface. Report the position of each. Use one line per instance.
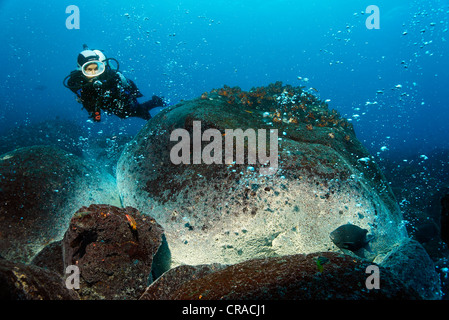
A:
(231, 232)
(175, 278)
(118, 251)
(40, 189)
(27, 282)
(410, 262)
(227, 213)
(294, 277)
(51, 258)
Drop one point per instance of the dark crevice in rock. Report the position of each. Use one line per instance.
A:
(161, 261)
(82, 241)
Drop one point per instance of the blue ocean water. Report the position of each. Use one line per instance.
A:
(179, 49)
(390, 82)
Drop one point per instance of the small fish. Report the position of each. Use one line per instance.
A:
(320, 261)
(351, 237)
(248, 111)
(132, 222)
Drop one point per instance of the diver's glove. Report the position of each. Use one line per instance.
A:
(96, 116)
(97, 84)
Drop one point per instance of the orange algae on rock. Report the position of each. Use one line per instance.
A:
(293, 104)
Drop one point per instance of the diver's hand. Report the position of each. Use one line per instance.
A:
(97, 84)
(95, 116)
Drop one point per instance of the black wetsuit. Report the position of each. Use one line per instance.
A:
(111, 92)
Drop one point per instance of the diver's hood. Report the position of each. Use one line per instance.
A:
(90, 55)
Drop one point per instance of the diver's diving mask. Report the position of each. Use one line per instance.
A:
(93, 68)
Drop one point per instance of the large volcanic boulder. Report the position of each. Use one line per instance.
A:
(118, 251)
(95, 146)
(40, 189)
(63, 134)
(27, 282)
(50, 258)
(231, 211)
(445, 218)
(317, 276)
(410, 262)
(172, 280)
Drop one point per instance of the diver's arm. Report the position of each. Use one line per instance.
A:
(90, 99)
(134, 90)
(86, 94)
(93, 111)
(75, 82)
(127, 84)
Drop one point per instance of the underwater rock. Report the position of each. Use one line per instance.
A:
(425, 229)
(68, 136)
(421, 195)
(442, 268)
(40, 189)
(63, 134)
(119, 251)
(230, 212)
(294, 277)
(410, 262)
(173, 279)
(445, 218)
(50, 257)
(27, 282)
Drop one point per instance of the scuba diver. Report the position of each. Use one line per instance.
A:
(98, 87)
